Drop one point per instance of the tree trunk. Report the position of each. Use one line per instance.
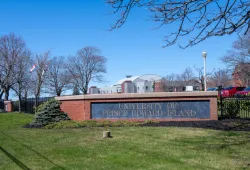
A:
(202, 84)
(19, 103)
(58, 92)
(6, 92)
(25, 94)
(19, 96)
(1, 94)
(85, 91)
(203, 87)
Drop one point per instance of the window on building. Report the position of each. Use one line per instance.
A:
(138, 88)
(146, 87)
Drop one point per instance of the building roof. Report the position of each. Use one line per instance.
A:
(150, 77)
(126, 79)
(147, 77)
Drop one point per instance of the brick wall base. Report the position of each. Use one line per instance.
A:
(79, 107)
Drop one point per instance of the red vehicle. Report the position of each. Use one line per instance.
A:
(243, 92)
(231, 91)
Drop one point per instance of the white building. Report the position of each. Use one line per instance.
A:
(131, 84)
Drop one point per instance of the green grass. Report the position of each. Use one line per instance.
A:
(130, 148)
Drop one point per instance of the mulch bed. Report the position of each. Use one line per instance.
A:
(32, 126)
(227, 124)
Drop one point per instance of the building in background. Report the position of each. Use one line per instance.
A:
(241, 75)
(132, 84)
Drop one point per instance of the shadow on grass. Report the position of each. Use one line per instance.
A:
(227, 141)
(225, 125)
(42, 156)
(14, 159)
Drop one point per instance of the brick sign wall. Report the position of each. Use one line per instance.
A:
(169, 109)
(161, 106)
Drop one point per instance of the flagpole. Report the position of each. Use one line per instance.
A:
(35, 93)
(31, 70)
(49, 77)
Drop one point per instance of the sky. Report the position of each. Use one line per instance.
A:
(63, 27)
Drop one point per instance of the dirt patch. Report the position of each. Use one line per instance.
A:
(228, 124)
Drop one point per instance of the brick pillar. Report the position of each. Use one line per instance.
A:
(8, 106)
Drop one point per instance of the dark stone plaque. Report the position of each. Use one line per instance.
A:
(139, 110)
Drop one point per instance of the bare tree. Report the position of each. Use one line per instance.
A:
(220, 77)
(195, 19)
(178, 81)
(22, 77)
(238, 58)
(188, 77)
(37, 76)
(57, 76)
(199, 79)
(169, 82)
(12, 48)
(86, 66)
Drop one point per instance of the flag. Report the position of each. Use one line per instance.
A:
(33, 67)
(42, 72)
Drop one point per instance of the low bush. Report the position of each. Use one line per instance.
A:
(49, 112)
(245, 104)
(232, 108)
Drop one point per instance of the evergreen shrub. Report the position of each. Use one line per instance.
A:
(49, 112)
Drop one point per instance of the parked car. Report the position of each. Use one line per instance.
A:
(243, 92)
(212, 89)
(231, 91)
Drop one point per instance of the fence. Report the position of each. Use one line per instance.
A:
(28, 105)
(1, 105)
(234, 107)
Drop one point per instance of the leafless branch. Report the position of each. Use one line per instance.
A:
(238, 58)
(196, 19)
(86, 66)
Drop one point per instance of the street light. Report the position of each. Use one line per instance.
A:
(204, 55)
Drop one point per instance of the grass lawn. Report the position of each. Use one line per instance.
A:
(130, 148)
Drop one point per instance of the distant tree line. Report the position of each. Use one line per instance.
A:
(30, 74)
(194, 77)
(237, 61)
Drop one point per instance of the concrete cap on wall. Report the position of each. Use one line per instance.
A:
(140, 95)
